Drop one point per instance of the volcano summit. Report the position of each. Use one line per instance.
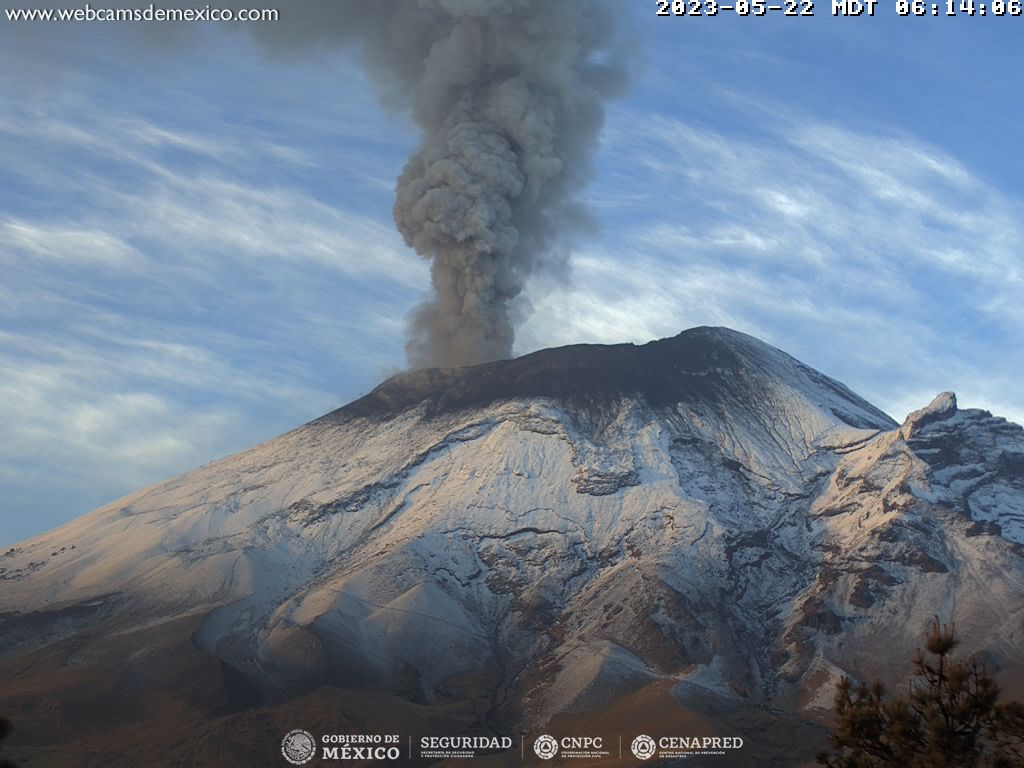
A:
(694, 536)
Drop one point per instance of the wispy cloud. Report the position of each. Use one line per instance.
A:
(187, 293)
(65, 243)
(881, 260)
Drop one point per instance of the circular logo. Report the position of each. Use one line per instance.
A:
(546, 747)
(298, 747)
(644, 747)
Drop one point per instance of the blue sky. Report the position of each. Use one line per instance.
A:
(198, 252)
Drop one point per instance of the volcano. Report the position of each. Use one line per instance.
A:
(694, 536)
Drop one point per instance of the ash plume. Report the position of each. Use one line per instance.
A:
(509, 96)
(510, 101)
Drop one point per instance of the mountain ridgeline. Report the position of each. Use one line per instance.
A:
(698, 534)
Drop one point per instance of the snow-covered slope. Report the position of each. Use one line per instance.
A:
(567, 526)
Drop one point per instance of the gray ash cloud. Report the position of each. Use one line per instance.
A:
(509, 96)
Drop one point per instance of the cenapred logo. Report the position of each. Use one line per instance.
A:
(298, 746)
(643, 747)
(546, 747)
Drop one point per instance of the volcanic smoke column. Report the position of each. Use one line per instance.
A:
(510, 98)
(509, 95)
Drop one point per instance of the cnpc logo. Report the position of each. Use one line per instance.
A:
(547, 747)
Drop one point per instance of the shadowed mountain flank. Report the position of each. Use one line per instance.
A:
(703, 365)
